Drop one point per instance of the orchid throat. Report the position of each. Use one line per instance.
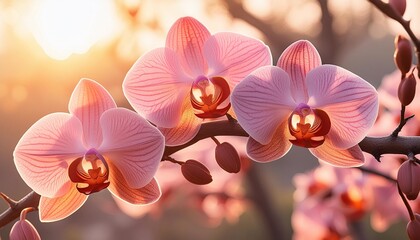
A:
(308, 127)
(90, 172)
(210, 97)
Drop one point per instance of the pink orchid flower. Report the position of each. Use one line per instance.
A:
(64, 157)
(191, 78)
(321, 107)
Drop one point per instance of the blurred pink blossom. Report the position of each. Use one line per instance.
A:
(222, 199)
(64, 157)
(321, 107)
(327, 199)
(191, 78)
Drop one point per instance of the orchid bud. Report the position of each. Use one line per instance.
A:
(23, 229)
(228, 158)
(409, 179)
(407, 90)
(398, 5)
(195, 172)
(403, 54)
(413, 228)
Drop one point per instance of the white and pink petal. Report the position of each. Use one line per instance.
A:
(233, 56)
(55, 209)
(327, 153)
(275, 149)
(87, 102)
(350, 102)
(187, 37)
(119, 187)
(297, 60)
(186, 130)
(132, 144)
(156, 86)
(44, 152)
(262, 101)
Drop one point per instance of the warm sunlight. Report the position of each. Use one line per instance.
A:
(68, 26)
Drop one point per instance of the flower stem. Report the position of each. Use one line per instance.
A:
(407, 205)
(215, 140)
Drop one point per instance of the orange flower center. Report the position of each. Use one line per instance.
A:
(354, 201)
(308, 127)
(90, 172)
(210, 97)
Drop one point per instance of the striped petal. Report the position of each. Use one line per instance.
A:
(119, 187)
(297, 60)
(275, 149)
(186, 37)
(156, 86)
(55, 209)
(132, 144)
(350, 102)
(187, 128)
(87, 102)
(233, 56)
(44, 151)
(261, 101)
(351, 157)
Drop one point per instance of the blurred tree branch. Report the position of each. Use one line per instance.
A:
(331, 44)
(389, 11)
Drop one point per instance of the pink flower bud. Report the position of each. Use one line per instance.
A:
(403, 54)
(409, 179)
(398, 5)
(413, 228)
(23, 229)
(196, 172)
(407, 90)
(228, 158)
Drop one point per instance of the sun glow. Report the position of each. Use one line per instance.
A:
(65, 27)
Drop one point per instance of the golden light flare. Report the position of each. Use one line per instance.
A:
(65, 27)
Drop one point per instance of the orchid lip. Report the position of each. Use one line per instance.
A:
(210, 97)
(90, 172)
(308, 126)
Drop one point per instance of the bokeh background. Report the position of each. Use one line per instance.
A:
(46, 46)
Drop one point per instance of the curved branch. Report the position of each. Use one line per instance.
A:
(13, 212)
(375, 146)
(391, 13)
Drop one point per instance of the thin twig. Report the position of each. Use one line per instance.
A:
(407, 205)
(389, 11)
(374, 172)
(403, 121)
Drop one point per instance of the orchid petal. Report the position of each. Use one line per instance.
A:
(132, 144)
(44, 151)
(233, 56)
(55, 209)
(187, 128)
(156, 86)
(119, 187)
(351, 157)
(186, 37)
(350, 102)
(275, 149)
(297, 60)
(261, 101)
(87, 102)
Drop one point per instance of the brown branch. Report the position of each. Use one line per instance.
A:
(391, 13)
(13, 212)
(375, 146)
